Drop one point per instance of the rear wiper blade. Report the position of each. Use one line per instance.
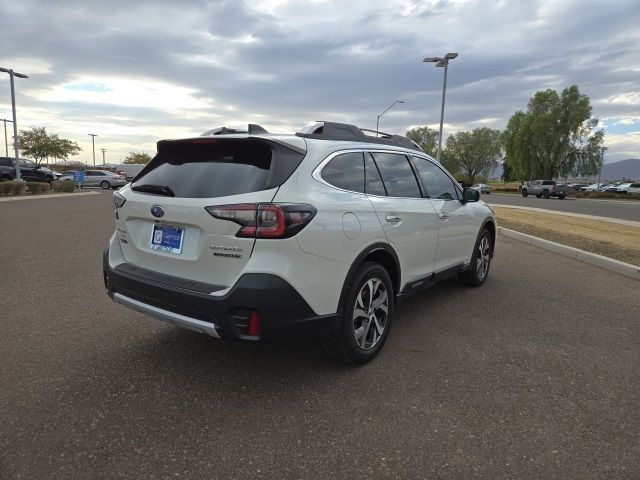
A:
(157, 189)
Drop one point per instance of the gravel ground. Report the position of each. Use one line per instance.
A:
(608, 239)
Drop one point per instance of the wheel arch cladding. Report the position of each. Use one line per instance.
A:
(491, 226)
(379, 253)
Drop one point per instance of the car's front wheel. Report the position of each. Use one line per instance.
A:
(524, 192)
(105, 185)
(367, 312)
(478, 271)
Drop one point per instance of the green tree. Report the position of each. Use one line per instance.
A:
(473, 152)
(38, 144)
(555, 137)
(138, 157)
(426, 137)
(63, 148)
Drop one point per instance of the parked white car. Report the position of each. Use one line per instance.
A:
(634, 189)
(130, 170)
(594, 187)
(482, 188)
(622, 188)
(254, 236)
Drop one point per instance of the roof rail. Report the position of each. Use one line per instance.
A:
(344, 131)
(252, 129)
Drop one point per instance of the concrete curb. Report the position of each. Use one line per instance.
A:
(619, 221)
(41, 196)
(607, 263)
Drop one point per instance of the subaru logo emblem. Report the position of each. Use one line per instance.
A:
(157, 211)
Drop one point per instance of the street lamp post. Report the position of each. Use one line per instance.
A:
(6, 142)
(388, 108)
(103, 150)
(93, 144)
(442, 62)
(15, 124)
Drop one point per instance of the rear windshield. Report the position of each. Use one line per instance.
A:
(218, 169)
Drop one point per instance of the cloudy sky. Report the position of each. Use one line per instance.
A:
(135, 72)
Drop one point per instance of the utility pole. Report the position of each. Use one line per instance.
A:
(93, 143)
(103, 150)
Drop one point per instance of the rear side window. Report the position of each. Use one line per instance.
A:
(437, 183)
(397, 175)
(345, 171)
(6, 162)
(548, 182)
(218, 168)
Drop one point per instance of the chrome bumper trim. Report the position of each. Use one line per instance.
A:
(161, 314)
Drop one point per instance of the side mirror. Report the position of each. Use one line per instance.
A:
(470, 195)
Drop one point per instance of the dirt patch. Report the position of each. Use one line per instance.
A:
(620, 242)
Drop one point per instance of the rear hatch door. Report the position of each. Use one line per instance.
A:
(163, 225)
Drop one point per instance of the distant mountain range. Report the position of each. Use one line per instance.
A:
(629, 168)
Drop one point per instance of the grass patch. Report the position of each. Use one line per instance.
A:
(612, 240)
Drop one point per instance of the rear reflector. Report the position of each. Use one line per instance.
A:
(254, 325)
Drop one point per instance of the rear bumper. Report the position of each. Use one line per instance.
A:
(283, 312)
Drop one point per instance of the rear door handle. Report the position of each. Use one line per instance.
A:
(392, 218)
(443, 216)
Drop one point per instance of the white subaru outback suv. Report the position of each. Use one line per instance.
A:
(251, 235)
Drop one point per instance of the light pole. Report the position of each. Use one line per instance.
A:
(15, 124)
(442, 62)
(103, 150)
(388, 108)
(93, 144)
(6, 142)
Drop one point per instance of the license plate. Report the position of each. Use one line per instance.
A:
(167, 238)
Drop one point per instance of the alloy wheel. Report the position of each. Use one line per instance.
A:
(483, 258)
(370, 313)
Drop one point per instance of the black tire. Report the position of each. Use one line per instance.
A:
(545, 194)
(538, 195)
(561, 197)
(105, 185)
(524, 192)
(342, 345)
(476, 276)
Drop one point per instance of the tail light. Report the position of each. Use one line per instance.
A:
(265, 220)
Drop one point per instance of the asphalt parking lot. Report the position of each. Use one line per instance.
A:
(534, 375)
(621, 209)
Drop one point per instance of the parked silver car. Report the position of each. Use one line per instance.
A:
(103, 179)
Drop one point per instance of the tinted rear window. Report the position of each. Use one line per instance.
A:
(345, 171)
(6, 162)
(218, 169)
(548, 182)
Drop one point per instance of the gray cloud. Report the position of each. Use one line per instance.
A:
(284, 65)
